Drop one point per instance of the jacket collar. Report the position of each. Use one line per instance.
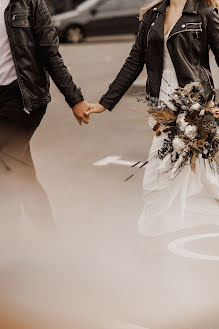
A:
(191, 6)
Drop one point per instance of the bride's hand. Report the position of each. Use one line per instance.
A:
(96, 108)
(215, 111)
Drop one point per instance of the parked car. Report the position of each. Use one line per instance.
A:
(98, 17)
(58, 7)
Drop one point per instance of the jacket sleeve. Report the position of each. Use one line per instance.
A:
(213, 33)
(48, 44)
(130, 71)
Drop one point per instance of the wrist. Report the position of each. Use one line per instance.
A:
(104, 104)
(102, 107)
(75, 102)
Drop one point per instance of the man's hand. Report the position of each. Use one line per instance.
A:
(80, 111)
(96, 108)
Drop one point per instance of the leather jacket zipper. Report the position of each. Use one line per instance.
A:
(148, 35)
(14, 59)
(152, 24)
(187, 30)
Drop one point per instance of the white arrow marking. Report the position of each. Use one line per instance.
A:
(178, 247)
(116, 160)
(126, 326)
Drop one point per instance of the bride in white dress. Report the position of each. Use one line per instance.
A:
(190, 199)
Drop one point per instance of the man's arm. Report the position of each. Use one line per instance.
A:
(48, 43)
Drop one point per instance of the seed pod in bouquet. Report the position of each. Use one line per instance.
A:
(208, 125)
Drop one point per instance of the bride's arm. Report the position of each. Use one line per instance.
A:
(130, 71)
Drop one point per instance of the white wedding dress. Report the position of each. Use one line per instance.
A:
(188, 200)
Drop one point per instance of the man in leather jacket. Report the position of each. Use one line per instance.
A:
(34, 45)
(29, 55)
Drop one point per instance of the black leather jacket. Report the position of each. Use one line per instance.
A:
(34, 45)
(188, 44)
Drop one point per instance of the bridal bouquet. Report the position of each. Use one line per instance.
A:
(191, 128)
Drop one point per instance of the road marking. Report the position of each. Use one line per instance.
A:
(116, 160)
(178, 248)
(132, 326)
(127, 326)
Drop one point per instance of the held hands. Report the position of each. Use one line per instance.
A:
(83, 110)
(96, 108)
(80, 111)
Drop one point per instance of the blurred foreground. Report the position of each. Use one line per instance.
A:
(95, 271)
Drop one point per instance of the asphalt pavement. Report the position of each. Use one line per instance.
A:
(110, 276)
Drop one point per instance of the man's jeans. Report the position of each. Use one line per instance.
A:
(20, 192)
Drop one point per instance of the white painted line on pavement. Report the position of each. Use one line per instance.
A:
(177, 247)
(116, 160)
(133, 326)
(127, 326)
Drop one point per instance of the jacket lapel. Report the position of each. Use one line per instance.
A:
(191, 7)
(158, 24)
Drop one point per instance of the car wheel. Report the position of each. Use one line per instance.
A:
(74, 34)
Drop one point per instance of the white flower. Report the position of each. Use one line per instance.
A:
(195, 107)
(178, 145)
(181, 121)
(191, 131)
(175, 97)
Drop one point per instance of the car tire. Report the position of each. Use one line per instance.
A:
(74, 34)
